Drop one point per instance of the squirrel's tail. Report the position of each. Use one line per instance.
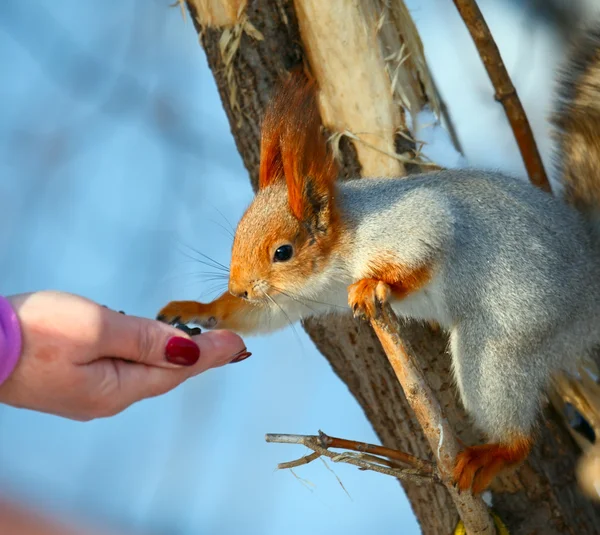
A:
(577, 125)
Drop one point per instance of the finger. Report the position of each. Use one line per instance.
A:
(145, 341)
(137, 381)
(154, 343)
(220, 347)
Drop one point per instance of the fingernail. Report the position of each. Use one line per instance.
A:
(242, 355)
(182, 351)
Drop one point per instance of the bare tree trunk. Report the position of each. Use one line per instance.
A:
(249, 43)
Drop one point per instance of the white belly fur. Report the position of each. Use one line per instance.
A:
(426, 304)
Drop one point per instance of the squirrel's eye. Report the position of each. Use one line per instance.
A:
(283, 253)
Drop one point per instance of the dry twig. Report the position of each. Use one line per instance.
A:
(342, 443)
(506, 93)
(421, 470)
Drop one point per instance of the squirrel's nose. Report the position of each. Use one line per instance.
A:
(238, 290)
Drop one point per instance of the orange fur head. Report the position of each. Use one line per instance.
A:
(257, 270)
(286, 236)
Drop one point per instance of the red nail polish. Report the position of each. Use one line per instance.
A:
(182, 351)
(242, 355)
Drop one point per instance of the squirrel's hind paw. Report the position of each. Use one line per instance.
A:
(366, 296)
(477, 466)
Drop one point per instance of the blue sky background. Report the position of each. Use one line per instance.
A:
(115, 158)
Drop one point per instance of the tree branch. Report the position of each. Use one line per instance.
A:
(472, 510)
(506, 93)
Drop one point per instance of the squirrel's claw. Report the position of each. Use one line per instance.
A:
(357, 312)
(176, 321)
(181, 313)
(366, 297)
(167, 319)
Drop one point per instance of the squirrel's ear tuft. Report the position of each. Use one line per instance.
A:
(293, 147)
(271, 164)
(308, 163)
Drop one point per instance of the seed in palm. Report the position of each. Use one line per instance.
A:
(191, 331)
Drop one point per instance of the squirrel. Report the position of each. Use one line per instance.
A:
(510, 271)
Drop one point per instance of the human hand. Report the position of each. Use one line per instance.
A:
(83, 361)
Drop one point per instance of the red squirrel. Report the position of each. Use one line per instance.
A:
(511, 272)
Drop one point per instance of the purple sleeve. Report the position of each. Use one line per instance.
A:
(10, 339)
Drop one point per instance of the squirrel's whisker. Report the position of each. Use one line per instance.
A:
(211, 262)
(229, 232)
(301, 299)
(290, 323)
(226, 220)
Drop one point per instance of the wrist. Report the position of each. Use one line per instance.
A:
(10, 339)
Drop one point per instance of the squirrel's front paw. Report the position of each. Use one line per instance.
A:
(178, 312)
(366, 296)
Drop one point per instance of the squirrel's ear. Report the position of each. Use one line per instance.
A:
(271, 164)
(308, 165)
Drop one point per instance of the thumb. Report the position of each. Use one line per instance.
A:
(139, 382)
(155, 343)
